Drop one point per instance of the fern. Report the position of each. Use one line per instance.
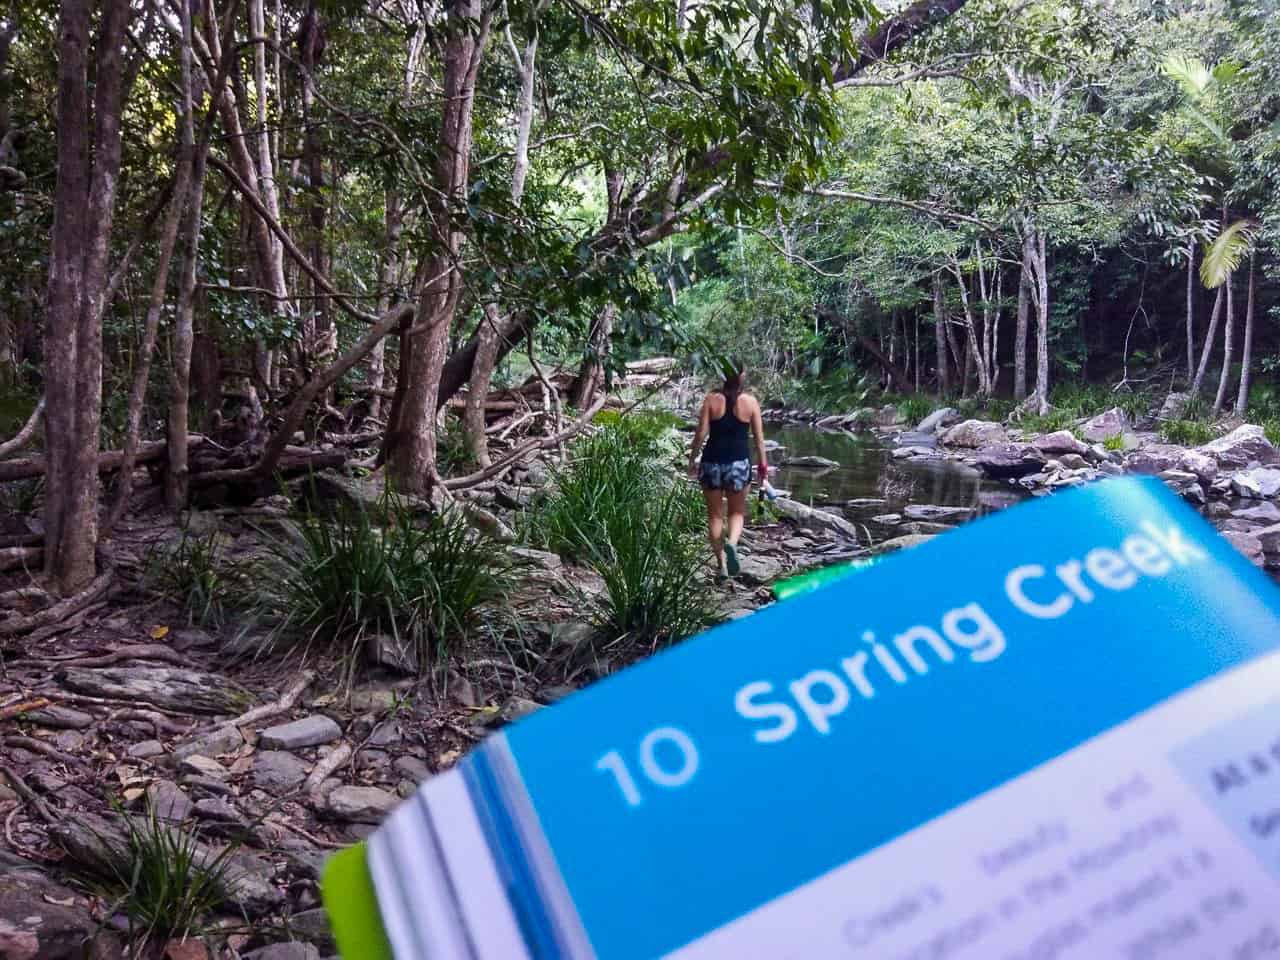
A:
(1224, 256)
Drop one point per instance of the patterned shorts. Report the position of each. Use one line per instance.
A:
(731, 477)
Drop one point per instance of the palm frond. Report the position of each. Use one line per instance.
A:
(1228, 250)
(1191, 74)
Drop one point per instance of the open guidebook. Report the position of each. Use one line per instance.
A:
(1052, 733)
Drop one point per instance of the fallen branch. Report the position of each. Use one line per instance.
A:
(108, 460)
(15, 624)
(326, 765)
(11, 557)
(17, 709)
(39, 746)
(27, 431)
(522, 451)
(140, 651)
(22, 790)
(280, 706)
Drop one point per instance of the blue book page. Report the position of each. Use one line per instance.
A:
(763, 758)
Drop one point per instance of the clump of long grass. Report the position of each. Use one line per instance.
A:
(340, 583)
(914, 408)
(1186, 432)
(195, 574)
(161, 878)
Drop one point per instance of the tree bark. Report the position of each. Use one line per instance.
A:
(1040, 268)
(940, 333)
(1209, 336)
(974, 358)
(1246, 360)
(411, 456)
(88, 165)
(1020, 333)
(176, 477)
(1228, 335)
(591, 372)
(1191, 300)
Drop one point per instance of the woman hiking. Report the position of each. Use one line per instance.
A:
(725, 474)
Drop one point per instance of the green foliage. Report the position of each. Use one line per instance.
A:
(1190, 433)
(338, 583)
(1114, 443)
(196, 576)
(1227, 252)
(841, 391)
(916, 407)
(1272, 429)
(162, 879)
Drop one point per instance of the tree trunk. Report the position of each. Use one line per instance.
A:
(1228, 335)
(473, 422)
(412, 448)
(974, 360)
(591, 372)
(1246, 360)
(176, 477)
(1020, 333)
(1041, 269)
(311, 42)
(1191, 299)
(940, 334)
(1209, 336)
(88, 165)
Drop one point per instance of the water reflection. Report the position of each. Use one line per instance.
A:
(868, 473)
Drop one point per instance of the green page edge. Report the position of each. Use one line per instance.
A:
(347, 891)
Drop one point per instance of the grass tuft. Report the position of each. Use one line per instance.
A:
(1189, 433)
(196, 576)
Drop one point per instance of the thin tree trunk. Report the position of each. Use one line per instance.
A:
(412, 450)
(311, 41)
(1020, 332)
(1191, 300)
(88, 165)
(993, 354)
(1041, 268)
(1209, 336)
(176, 478)
(974, 359)
(1246, 360)
(940, 334)
(591, 372)
(1228, 335)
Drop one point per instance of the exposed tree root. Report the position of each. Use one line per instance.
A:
(15, 624)
(277, 707)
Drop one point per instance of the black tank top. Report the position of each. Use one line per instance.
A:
(728, 438)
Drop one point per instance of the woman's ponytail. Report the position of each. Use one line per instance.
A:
(732, 384)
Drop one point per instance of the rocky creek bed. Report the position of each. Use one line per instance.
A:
(129, 706)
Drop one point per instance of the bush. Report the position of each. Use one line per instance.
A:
(161, 880)
(1272, 430)
(342, 582)
(195, 575)
(916, 407)
(1115, 442)
(1189, 433)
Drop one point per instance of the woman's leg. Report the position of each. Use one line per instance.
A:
(715, 523)
(737, 513)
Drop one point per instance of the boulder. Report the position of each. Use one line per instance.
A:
(1008, 461)
(1154, 458)
(1241, 448)
(928, 512)
(1269, 539)
(1063, 441)
(1204, 467)
(937, 420)
(757, 570)
(1185, 485)
(1249, 544)
(308, 732)
(59, 718)
(901, 543)
(1267, 513)
(277, 771)
(808, 518)
(809, 463)
(1073, 461)
(188, 691)
(360, 804)
(1174, 406)
(973, 434)
(1259, 483)
(1111, 423)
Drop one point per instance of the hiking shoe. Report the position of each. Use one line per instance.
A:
(731, 559)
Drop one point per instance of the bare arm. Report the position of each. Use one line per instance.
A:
(699, 435)
(757, 430)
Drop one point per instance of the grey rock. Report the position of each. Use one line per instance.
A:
(887, 519)
(937, 420)
(42, 920)
(1269, 539)
(1186, 485)
(61, 718)
(757, 570)
(1063, 441)
(276, 771)
(572, 634)
(313, 926)
(1249, 544)
(208, 786)
(797, 543)
(974, 434)
(1111, 423)
(145, 750)
(1217, 510)
(934, 514)
(1174, 406)
(396, 654)
(512, 497)
(203, 766)
(224, 739)
(411, 767)
(865, 503)
(1241, 448)
(1154, 458)
(1202, 465)
(809, 463)
(912, 453)
(308, 732)
(360, 804)
(556, 692)
(540, 558)
(901, 543)
(913, 438)
(1259, 482)
(218, 810)
(517, 708)
(375, 699)
(1266, 512)
(168, 800)
(808, 518)
(924, 527)
(1008, 461)
(1111, 469)
(292, 950)
(69, 741)
(1074, 461)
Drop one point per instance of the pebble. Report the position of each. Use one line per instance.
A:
(277, 771)
(411, 767)
(360, 804)
(198, 763)
(308, 732)
(62, 718)
(225, 739)
(168, 800)
(218, 810)
(145, 750)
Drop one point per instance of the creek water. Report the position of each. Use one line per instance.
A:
(867, 472)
